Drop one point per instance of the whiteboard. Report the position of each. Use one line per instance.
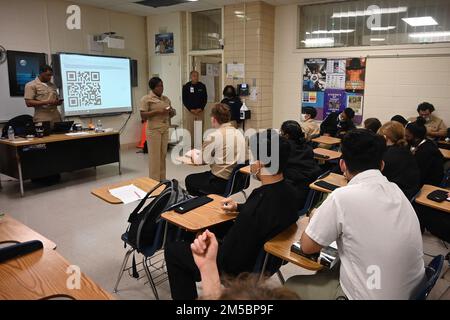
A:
(10, 106)
(396, 85)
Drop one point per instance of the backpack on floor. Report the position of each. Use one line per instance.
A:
(144, 221)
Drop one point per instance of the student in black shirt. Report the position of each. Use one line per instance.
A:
(195, 98)
(431, 165)
(337, 124)
(301, 169)
(234, 102)
(400, 166)
(372, 124)
(428, 156)
(268, 211)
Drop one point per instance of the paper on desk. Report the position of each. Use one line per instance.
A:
(77, 133)
(128, 194)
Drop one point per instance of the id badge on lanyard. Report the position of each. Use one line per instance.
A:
(192, 89)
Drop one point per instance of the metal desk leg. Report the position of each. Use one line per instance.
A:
(264, 266)
(19, 167)
(120, 162)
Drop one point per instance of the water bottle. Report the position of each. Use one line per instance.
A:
(10, 133)
(99, 126)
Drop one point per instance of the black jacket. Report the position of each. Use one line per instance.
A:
(196, 99)
(301, 169)
(268, 211)
(431, 163)
(401, 168)
(235, 105)
(332, 126)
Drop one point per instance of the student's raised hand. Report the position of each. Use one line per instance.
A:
(204, 250)
(229, 205)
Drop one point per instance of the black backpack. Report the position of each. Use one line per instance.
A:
(145, 223)
(22, 125)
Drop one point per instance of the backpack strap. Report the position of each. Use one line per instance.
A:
(141, 204)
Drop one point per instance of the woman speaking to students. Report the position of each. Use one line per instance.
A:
(157, 109)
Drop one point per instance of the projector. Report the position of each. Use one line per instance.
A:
(112, 40)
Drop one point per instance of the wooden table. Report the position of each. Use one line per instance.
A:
(42, 274)
(13, 230)
(332, 155)
(144, 183)
(202, 217)
(332, 178)
(42, 157)
(280, 247)
(445, 153)
(327, 140)
(444, 143)
(422, 199)
(245, 170)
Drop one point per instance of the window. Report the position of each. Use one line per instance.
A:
(206, 29)
(374, 23)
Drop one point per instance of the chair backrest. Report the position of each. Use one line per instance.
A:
(432, 272)
(238, 181)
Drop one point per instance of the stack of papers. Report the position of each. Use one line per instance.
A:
(128, 194)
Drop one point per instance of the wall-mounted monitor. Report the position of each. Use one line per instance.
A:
(93, 85)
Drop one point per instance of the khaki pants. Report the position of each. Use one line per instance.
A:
(324, 285)
(189, 119)
(157, 140)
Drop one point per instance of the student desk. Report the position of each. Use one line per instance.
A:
(327, 140)
(41, 157)
(42, 275)
(200, 218)
(332, 155)
(13, 230)
(144, 183)
(332, 178)
(280, 247)
(444, 144)
(188, 161)
(245, 170)
(445, 153)
(422, 199)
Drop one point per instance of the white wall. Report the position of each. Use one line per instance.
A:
(167, 66)
(40, 26)
(411, 75)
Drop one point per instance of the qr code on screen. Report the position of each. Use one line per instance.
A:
(83, 88)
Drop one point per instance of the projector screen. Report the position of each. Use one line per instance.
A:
(94, 85)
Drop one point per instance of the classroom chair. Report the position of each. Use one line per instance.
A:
(238, 182)
(150, 251)
(432, 272)
(268, 265)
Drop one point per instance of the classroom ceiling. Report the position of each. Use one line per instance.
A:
(130, 6)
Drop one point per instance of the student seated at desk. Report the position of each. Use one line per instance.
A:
(337, 124)
(436, 128)
(268, 211)
(222, 150)
(372, 124)
(375, 227)
(244, 287)
(428, 156)
(309, 125)
(400, 166)
(301, 169)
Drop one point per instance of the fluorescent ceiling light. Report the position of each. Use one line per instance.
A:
(377, 39)
(333, 31)
(239, 12)
(362, 13)
(318, 42)
(420, 21)
(307, 32)
(382, 28)
(437, 34)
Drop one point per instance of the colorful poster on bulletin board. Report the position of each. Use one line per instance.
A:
(314, 74)
(355, 74)
(335, 100)
(356, 102)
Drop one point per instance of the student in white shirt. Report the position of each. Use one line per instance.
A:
(375, 227)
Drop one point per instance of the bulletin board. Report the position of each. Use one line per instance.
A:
(331, 85)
